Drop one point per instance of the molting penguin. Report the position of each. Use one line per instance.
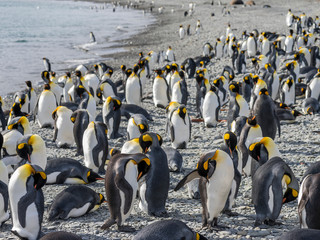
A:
(111, 114)
(27, 201)
(174, 159)
(95, 146)
(74, 201)
(137, 125)
(211, 107)
(121, 184)
(180, 127)
(167, 229)
(267, 190)
(81, 119)
(21, 124)
(63, 135)
(69, 171)
(154, 188)
(216, 172)
(32, 148)
(264, 110)
(46, 104)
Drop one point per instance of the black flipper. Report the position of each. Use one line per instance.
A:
(188, 178)
(126, 188)
(5, 194)
(23, 205)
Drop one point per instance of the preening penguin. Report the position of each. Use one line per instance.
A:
(216, 172)
(32, 148)
(63, 135)
(310, 106)
(180, 127)
(155, 186)
(267, 190)
(111, 114)
(167, 229)
(27, 201)
(74, 201)
(121, 184)
(137, 125)
(95, 146)
(69, 171)
(21, 124)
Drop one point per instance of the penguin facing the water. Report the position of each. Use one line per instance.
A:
(121, 185)
(27, 201)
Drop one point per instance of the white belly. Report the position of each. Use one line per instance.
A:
(210, 104)
(133, 91)
(10, 140)
(4, 215)
(129, 147)
(143, 205)
(89, 141)
(181, 129)
(108, 91)
(132, 130)
(47, 104)
(176, 93)
(77, 212)
(65, 130)
(160, 92)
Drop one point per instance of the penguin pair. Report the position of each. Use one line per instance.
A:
(121, 185)
(74, 201)
(216, 172)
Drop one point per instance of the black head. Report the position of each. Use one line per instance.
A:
(290, 195)
(234, 87)
(255, 78)
(45, 75)
(78, 73)
(123, 68)
(230, 140)
(24, 150)
(136, 69)
(252, 121)
(264, 91)
(93, 176)
(40, 178)
(206, 165)
(29, 84)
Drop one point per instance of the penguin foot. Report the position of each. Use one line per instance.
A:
(230, 213)
(126, 229)
(163, 214)
(271, 222)
(217, 228)
(108, 224)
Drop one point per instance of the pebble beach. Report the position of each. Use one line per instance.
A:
(298, 143)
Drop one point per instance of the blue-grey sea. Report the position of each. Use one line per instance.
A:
(59, 31)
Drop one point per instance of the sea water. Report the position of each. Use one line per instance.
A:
(60, 31)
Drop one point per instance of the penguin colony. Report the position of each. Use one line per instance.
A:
(271, 75)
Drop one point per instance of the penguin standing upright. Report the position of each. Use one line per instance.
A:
(155, 186)
(267, 190)
(21, 124)
(4, 197)
(121, 185)
(180, 127)
(264, 110)
(207, 48)
(289, 42)
(111, 114)
(250, 131)
(81, 119)
(181, 32)
(134, 88)
(137, 125)
(289, 18)
(238, 106)
(179, 92)
(170, 57)
(87, 100)
(32, 97)
(288, 93)
(27, 201)
(32, 148)
(46, 104)
(216, 172)
(63, 126)
(251, 46)
(160, 90)
(219, 49)
(95, 146)
(246, 87)
(2, 116)
(22, 99)
(211, 107)
(313, 88)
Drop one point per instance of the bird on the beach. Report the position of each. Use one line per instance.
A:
(181, 32)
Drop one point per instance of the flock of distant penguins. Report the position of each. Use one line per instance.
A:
(256, 105)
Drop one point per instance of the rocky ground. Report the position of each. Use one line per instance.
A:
(298, 144)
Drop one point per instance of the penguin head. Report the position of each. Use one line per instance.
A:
(99, 92)
(27, 144)
(258, 149)
(19, 123)
(78, 73)
(255, 79)
(53, 74)
(93, 176)
(199, 78)
(46, 87)
(264, 91)
(290, 82)
(114, 102)
(230, 140)
(310, 110)
(68, 74)
(181, 74)
(217, 82)
(141, 54)
(135, 69)
(123, 68)
(128, 72)
(207, 164)
(24, 150)
(172, 106)
(292, 190)
(29, 84)
(147, 139)
(246, 79)
(182, 111)
(38, 174)
(174, 67)
(110, 72)
(159, 72)
(213, 88)
(252, 121)
(101, 199)
(143, 165)
(16, 109)
(168, 68)
(296, 113)
(45, 75)
(182, 67)
(201, 64)
(234, 87)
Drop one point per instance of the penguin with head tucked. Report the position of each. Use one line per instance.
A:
(21, 124)
(211, 107)
(167, 229)
(74, 201)
(310, 106)
(180, 127)
(264, 110)
(81, 119)
(32, 148)
(238, 106)
(273, 184)
(288, 94)
(216, 172)
(262, 149)
(111, 114)
(250, 131)
(95, 146)
(137, 125)
(46, 104)
(69, 171)
(4, 196)
(154, 188)
(230, 147)
(63, 135)
(106, 89)
(121, 184)
(27, 201)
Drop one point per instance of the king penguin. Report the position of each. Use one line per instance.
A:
(211, 107)
(111, 114)
(160, 90)
(63, 126)
(4, 196)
